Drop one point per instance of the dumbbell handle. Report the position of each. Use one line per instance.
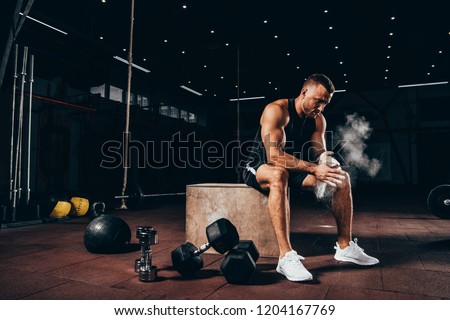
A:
(202, 249)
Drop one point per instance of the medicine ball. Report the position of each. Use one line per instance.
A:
(107, 234)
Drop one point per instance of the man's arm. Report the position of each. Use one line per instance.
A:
(319, 147)
(273, 121)
(318, 144)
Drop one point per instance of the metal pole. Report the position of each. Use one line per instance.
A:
(153, 195)
(13, 114)
(19, 133)
(29, 127)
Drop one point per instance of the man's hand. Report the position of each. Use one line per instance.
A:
(327, 157)
(331, 176)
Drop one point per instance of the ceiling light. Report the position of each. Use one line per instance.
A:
(101, 38)
(144, 59)
(244, 92)
(385, 78)
(340, 90)
(44, 24)
(227, 44)
(184, 6)
(341, 62)
(428, 73)
(440, 51)
(389, 47)
(212, 31)
(206, 90)
(392, 18)
(330, 27)
(276, 88)
(265, 21)
(189, 81)
(346, 81)
(124, 49)
(204, 66)
(103, 1)
(388, 57)
(165, 40)
(134, 65)
(183, 52)
(345, 74)
(423, 84)
(190, 90)
(298, 67)
(288, 54)
(391, 34)
(276, 37)
(215, 95)
(336, 47)
(250, 98)
(387, 70)
(221, 77)
(432, 65)
(325, 11)
(270, 82)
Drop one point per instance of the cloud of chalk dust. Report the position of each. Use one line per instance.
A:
(352, 136)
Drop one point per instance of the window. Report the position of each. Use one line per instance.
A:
(164, 110)
(144, 101)
(115, 94)
(99, 90)
(184, 115)
(192, 118)
(139, 99)
(174, 113)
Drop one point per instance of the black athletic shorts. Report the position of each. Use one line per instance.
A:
(249, 176)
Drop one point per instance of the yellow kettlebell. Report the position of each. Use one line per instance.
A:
(80, 206)
(61, 209)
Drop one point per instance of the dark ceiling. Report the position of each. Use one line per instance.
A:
(265, 47)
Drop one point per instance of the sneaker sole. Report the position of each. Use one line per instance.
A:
(293, 279)
(356, 261)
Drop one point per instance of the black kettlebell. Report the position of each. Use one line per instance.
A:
(97, 209)
(107, 234)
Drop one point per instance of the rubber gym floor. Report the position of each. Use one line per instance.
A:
(49, 260)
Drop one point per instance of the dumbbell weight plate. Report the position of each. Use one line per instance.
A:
(248, 245)
(135, 195)
(148, 275)
(238, 266)
(222, 235)
(184, 260)
(438, 201)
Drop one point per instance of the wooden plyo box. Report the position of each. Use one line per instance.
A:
(244, 206)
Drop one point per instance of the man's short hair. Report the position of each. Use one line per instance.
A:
(318, 78)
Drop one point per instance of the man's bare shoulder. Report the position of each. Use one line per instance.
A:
(276, 111)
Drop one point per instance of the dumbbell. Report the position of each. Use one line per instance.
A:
(222, 236)
(147, 237)
(240, 262)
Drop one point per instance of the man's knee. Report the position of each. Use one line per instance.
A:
(346, 183)
(279, 177)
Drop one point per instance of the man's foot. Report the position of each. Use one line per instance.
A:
(292, 268)
(354, 253)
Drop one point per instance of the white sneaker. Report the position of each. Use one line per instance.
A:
(354, 253)
(292, 268)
